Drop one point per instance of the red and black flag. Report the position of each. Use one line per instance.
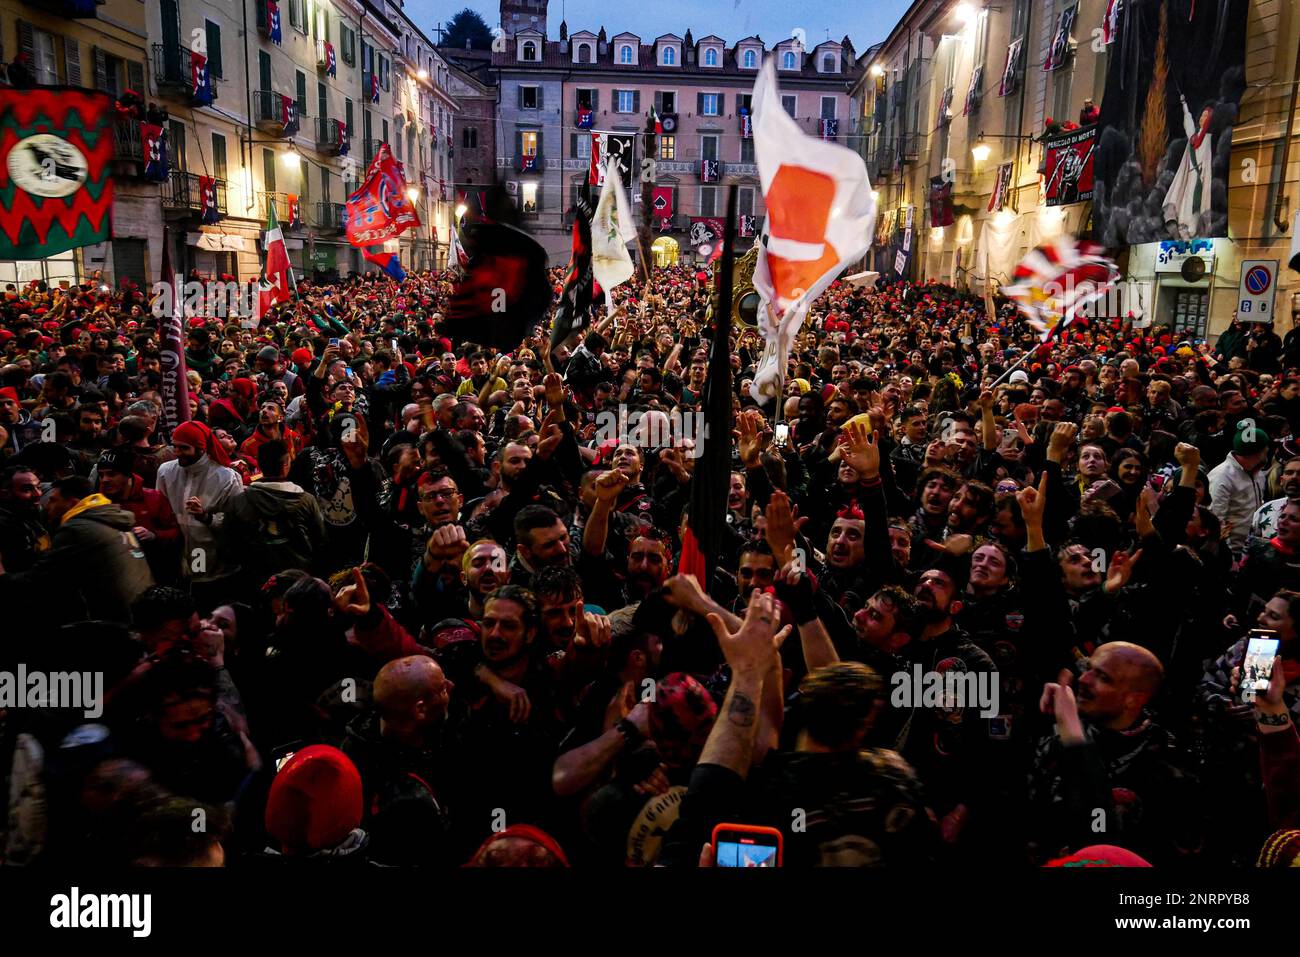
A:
(504, 291)
(579, 281)
(56, 192)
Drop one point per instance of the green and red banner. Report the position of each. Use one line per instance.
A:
(56, 189)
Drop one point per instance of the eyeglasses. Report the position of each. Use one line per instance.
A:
(434, 495)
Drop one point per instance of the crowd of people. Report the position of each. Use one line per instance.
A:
(390, 599)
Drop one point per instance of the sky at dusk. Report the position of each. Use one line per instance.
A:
(865, 23)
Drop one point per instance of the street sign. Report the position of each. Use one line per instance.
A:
(1257, 291)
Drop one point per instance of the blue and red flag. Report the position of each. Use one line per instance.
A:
(273, 22)
(380, 209)
(388, 262)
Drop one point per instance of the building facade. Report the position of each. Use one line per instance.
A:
(107, 50)
(962, 93)
(700, 89)
(474, 88)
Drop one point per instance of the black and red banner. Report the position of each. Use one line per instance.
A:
(1069, 176)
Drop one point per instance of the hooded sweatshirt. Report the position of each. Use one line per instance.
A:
(214, 485)
(275, 526)
(94, 568)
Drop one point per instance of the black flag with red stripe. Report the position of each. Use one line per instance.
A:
(579, 282)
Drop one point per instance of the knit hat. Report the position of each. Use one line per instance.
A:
(9, 392)
(201, 437)
(519, 845)
(1103, 855)
(245, 388)
(1282, 849)
(1249, 438)
(681, 718)
(119, 459)
(315, 800)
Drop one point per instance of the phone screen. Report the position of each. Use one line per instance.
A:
(782, 435)
(1257, 665)
(745, 850)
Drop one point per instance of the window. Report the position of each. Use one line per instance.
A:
(584, 52)
(828, 107)
(47, 71)
(219, 156)
(324, 184)
(625, 54)
(667, 102)
(751, 60)
(711, 56)
(708, 201)
(582, 146)
(747, 151)
(300, 90)
(624, 100)
(296, 16)
(530, 50)
(347, 116)
(322, 101)
(586, 99)
(385, 70)
(709, 104)
(528, 192)
(788, 61)
(745, 201)
(268, 170)
(788, 101)
(107, 71)
(1061, 83)
(320, 23)
(469, 137)
(348, 42)
(397, 142)
(384, 137)
(176, 144)
(214, 48)
(708, 147)
(528, 98)
(528, 141)
(828, 63)
(744, 102)
(670, 56)
(667, 147)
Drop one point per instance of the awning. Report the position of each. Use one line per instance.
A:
(217, 242)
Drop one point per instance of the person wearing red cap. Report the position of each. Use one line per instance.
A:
(198, 484)
(234, 411)
(315, 808)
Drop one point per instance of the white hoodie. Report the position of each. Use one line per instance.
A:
(214, 485)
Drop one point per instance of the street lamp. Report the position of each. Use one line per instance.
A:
(413, 193)
(423, 74)
(981, 149)
(291, 158)
(461, 209)
(965, 13)
(877, 70)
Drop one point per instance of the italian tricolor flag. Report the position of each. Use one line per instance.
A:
(654, 115)
(277, 275)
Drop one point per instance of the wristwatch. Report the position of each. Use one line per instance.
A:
(632, 736)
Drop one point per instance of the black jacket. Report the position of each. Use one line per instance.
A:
(274, 526)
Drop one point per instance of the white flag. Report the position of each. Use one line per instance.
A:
(611, 229)
(820, 218)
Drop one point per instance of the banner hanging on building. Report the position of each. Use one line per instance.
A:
(707, 231)
(153, 140)
(1010, 72)
(1062, 43)
(1174, 80)
(620, 145)
(1069, 175)
(56, 193)
(661, 205)
(940, 201)
(1001, 188)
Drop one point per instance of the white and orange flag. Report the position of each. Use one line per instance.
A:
(820, 218)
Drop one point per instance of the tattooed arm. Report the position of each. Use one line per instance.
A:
(749, 651)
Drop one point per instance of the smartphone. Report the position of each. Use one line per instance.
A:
(781, 437)
(334, 342)
(1157, 482)
(745, 845)
(1257, 664)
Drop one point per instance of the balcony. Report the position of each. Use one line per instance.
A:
(280, 201)
(181, 194)
(322, 56)
(330, 218)
(127, 145)
(171, 71)
(266, 111)
(327, 135)
(740, 169)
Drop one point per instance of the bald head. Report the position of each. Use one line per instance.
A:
(411, 693)
(1121, 680)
